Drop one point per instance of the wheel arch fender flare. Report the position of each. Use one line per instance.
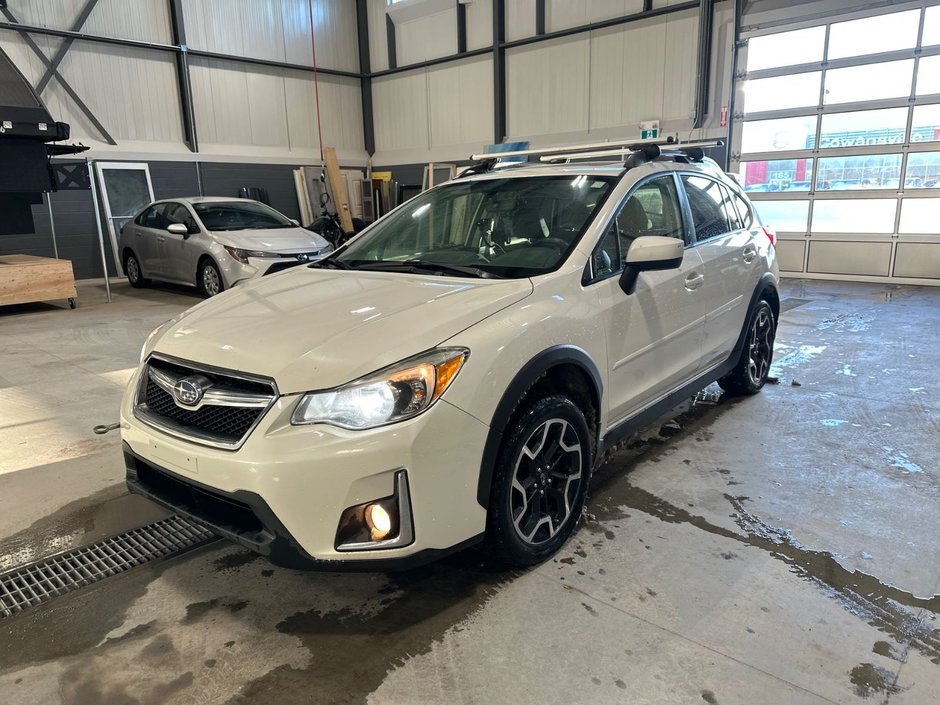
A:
(766, 289)
(530, 373)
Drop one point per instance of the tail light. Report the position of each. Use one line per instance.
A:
(771, 235)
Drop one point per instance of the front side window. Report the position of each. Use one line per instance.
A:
(706, 200)
(511, 227)
(152, 217)
(240, 215)
(177, 213)
(652, 209)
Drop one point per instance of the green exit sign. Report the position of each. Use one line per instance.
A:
(649, 134)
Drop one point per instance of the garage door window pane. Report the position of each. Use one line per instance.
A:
(798, 90)
(926, 124)
(928, 75)
(854, 173)
(923, 171)
(891, 79)
(786, 49)
(777, 175)
(777, 135)
(863, 128)
(919, 216)
(874, 34)
(931, 26)
(783, 216)
(854, 216)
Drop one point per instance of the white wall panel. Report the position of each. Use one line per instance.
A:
(561, 14)
(278, 30)
(460, 103)
(520, 18)
(133, 92)
(378, 37)
(427, 37)
(340, 112)
(479, 24)
(146, 20)
(400, 111)
(680, 47)
(547, 87)
(273, 108)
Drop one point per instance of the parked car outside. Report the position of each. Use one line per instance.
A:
(213, 243)
(454, 373)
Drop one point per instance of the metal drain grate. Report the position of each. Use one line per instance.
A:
(36, 583)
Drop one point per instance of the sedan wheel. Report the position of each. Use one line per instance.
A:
(210, 279)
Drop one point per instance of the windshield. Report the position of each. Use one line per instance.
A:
(240, 215)
(514, 227)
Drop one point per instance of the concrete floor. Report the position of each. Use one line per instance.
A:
(784, 548)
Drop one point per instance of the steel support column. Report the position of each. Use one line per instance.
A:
(706, 17)
(499, 71)
(390, 37)
(461, 27)
(540, 17)
(365, 81)
(178, 26)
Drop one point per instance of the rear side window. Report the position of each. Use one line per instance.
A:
(743, 208)
(706, 200)
(734, 220)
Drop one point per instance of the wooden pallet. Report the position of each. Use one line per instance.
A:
(27, 279)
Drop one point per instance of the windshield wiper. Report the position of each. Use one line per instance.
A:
(417, 266)
(329, 262)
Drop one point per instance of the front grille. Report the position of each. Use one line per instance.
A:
(227, 423)
(229, 409)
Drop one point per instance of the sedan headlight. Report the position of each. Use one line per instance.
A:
(396, 393)
(243, 255)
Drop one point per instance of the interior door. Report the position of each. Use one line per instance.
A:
(125, 190)
(654, 336)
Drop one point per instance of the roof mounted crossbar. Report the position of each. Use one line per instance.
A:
(629, 150)
(646, 151)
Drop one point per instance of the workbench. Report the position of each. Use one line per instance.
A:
(28, 279)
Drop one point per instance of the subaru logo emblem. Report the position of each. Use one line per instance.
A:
(302, 257)
(190, 390)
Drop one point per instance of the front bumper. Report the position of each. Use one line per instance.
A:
(283, 492)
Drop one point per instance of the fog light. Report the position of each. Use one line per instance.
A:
(380, 523)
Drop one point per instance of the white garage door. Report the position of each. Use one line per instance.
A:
(838, 142)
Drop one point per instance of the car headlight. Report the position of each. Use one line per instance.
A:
(396, 393)
(243, 255)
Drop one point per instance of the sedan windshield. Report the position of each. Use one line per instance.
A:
(512, 227)
(240, 215)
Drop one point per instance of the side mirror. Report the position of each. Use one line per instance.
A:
(177, 229)
(650, 253)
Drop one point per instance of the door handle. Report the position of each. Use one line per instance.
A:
(750, 252)
(694, 281)
(161, 239)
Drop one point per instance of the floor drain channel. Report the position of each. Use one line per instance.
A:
(31, 585)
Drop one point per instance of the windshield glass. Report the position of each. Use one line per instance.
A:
(514, 227)
(240, 215)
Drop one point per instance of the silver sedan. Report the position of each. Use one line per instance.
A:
(213, 243)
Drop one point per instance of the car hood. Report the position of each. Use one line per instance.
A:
(315, 328)
(289, 240)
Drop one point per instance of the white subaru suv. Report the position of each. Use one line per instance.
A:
(453, 373)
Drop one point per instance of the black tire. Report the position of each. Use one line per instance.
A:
(540, 481)
(210, 278)
(134, 272)
(753, 367)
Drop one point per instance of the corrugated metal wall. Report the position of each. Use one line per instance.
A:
(241, 110)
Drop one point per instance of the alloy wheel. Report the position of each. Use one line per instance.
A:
(210, 280)
(546, 481)
(133, 269)
(760, 348)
